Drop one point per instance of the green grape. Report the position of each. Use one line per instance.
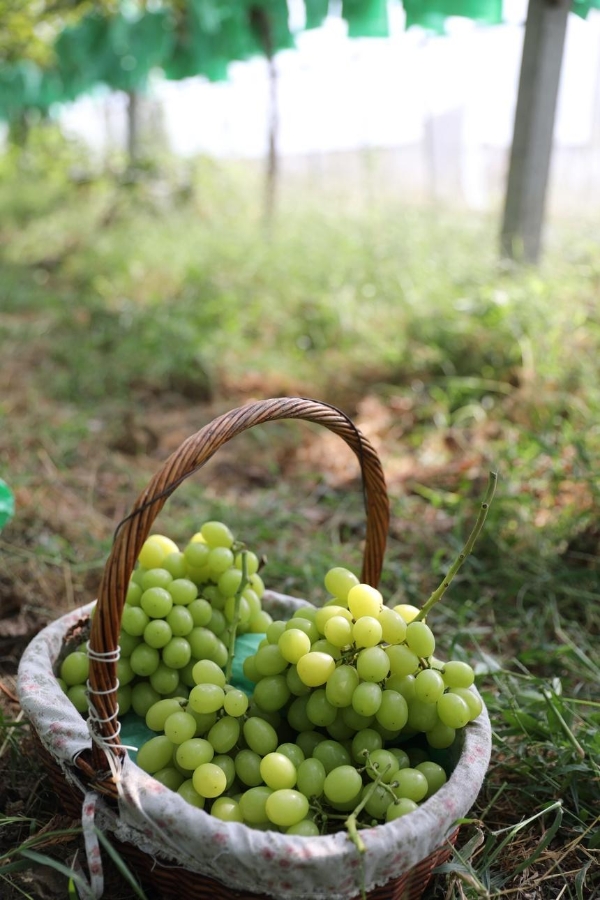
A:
(473, 701)
(134, 620)
(378, 800)
(179, 727)
(177, 653)
(75, 668)
(144, 660)
(339, 580)
(364, 600)
(257, 584)
(366, 740)
(183, 591)
(393, 711)
(422, 716)
(325, 646)
(453, 710)
(420, 639)
(247, 767)
(250, 671)
(219, 560)
(295, 683)
(193, 753)
(304, 828)
(435, 775)
(217, 534)
(399, 807)
(278, 771)
(154, 550)
(235, 702)
(180, 621)
(225, 762)
(200, 611)
(393, 626)
(134, 594)
(319, 710)
(354, 720)
(190, 794)
(207, 698)
(156, 578)
(286, 807)
(204, 721)
(271, 693)
(402, 684)
(402, 660)
(315, 668)
(229, 612)
(458, 674)
(325, 613)
(229, 582)
(273, 718)
(401, 755)
(260, 622)
(339, 631)
(170, 777)
(137, 575)
(127, 642)
(226, 809)
(410, 783)
(125, 673)
(367, 632)
(205, 671)
(292, 751)
(156, 603)
(260, 736)
(408, 612)
(293, 644)
(297, 715)
(338, 730)
(157, 633)
(196, 555)
(252, 562)
(164, 679)
(155, 754)
(175, 564)
(343, 784)
(308, 740)
(304, 624)
(332, 754)
(159, 712)
(311, 776)
(224, 734)
(384, 763)
(307, 612)
(220, 654)
(341, 685)
(429, 686)
(269, 660)
(78, 695)
(440, 736)
(366, 699)
(143, 696)
(373, 664)
(253, 804)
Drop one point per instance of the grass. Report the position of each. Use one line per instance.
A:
(132, 313)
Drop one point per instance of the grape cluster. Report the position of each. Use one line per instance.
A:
(349, 709)
(343, 696)
(181, 606)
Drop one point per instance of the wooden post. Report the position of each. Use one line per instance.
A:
(543, 49)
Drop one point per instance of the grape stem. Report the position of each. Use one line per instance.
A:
(437, 595)
(236, 616)
(352, 825)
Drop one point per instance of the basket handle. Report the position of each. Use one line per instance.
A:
(133, 531)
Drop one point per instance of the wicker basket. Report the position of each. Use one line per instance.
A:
(179, 851)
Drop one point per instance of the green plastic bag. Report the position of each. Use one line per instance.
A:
(7, 504)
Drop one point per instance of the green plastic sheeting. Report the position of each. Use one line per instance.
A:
(7, 504)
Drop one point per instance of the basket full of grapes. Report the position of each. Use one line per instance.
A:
(235, 742)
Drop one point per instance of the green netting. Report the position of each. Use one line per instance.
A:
(138, 46)
(316, 12)
(582, 7)
(432, 14)
(366, 18)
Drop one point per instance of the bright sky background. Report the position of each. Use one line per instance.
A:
(341, 94)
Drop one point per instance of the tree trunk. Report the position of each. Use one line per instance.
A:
(133, 128)
(531, 150)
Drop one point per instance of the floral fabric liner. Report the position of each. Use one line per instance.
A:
(284, 867)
